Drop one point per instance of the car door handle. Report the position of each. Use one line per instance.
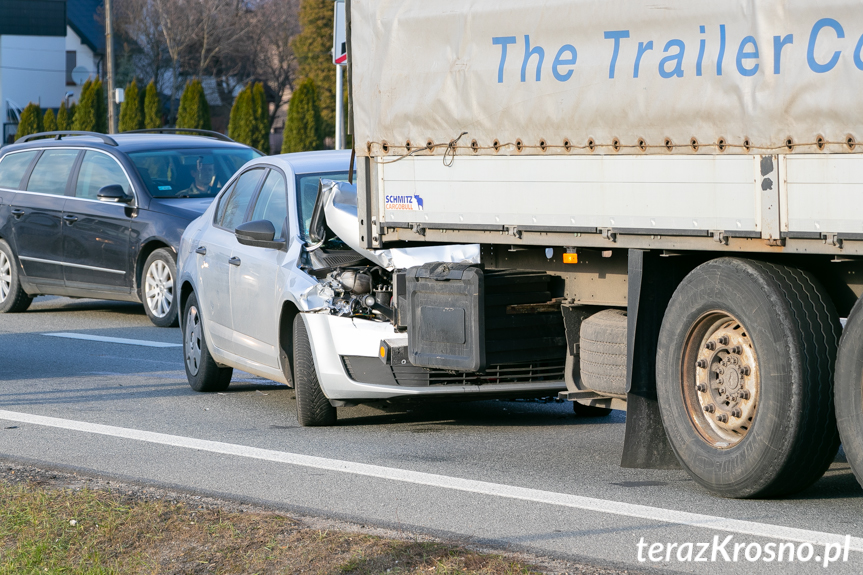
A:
(234, 261)
(201, 250)
(17, 213)
(70, 219)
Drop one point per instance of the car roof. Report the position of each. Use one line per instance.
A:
(310, 162)
(128, 143)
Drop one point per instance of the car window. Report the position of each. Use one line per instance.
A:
(193, 172)
(272, 203)
(238, 201)
(97, 171)
(52, 172)
(307, 195)
(13, 167)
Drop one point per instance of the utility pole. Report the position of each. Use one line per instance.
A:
(109, 57)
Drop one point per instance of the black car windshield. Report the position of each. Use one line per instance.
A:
(189, 173)
(307, 195)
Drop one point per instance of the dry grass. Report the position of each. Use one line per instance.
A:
(96, 532)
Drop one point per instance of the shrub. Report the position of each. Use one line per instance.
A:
(241, 122)
(63, 117)
(132, 109)
(49, 122)
(303, 126)
(92, 112)
(261, 132)
(152, 107)
(30, 121)
(194, 110)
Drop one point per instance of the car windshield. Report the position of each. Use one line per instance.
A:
(189, 173)
(307, 194)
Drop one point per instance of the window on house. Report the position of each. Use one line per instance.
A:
(71, 62)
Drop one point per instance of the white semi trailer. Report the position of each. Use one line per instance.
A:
(688, 178)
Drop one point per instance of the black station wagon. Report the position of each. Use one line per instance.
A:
(96, 216)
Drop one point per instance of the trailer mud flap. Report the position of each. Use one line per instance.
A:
(446, 317)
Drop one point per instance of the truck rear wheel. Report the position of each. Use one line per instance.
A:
(313, 407)
(849, 390)
(744, 373)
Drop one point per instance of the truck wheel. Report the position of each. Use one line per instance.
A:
(744, 373)
(157, 291)
(849, 390)
(313, 407)
(201, 370)
(602, 347)
(13, 298)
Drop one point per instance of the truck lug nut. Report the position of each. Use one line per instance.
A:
(722, 418)
(710, 408)
(702, 363)
(701, 387)
(723, 340)
(737, 350)
(744, 394)
(711, 345)
(745, 370)
(736, 412)
(721, 391)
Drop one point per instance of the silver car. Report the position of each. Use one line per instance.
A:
(274, 281)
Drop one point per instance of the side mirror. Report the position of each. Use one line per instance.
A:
(259, 234)
(114, 193)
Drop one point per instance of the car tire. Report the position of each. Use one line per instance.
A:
(744, 375)
(157, 288)
(313, 407)
(602, 347)
(849, 390)
(587, 411)
(203, 373)
(13, 298)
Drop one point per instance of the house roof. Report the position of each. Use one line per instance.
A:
(32, 17)
(84, 17)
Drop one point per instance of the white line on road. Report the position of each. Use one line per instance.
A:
(122, 340)
(468, 485)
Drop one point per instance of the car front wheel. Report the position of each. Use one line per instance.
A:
(157, 291)
(313, 407)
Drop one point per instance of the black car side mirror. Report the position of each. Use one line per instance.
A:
(259, 234)
(114, 193)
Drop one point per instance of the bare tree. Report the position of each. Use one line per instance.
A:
(178, 25)
(276, 63)
(138, 25)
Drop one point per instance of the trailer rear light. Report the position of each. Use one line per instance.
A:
(570, 258)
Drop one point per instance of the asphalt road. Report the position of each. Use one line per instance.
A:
(520, 475)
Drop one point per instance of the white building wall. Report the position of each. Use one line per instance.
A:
(32, 69)
(85, 59)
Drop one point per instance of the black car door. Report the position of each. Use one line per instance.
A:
(37, 214)
(96, 233)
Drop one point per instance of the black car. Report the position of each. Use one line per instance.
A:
(89, 215)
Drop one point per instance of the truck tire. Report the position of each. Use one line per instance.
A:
(203, 373)
(849, 390)
(744, 375)
(602, 347)
(313, 407)
(13, 298)
(157, 288)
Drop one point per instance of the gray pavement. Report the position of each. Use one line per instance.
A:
(530, 445)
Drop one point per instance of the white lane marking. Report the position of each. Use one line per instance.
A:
(481, 487)
(122, 340)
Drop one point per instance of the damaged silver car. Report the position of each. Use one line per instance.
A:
(275, 281)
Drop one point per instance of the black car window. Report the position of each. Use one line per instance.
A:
(238, 202)
(272, 203)
(97, 171)
(52, 172)
(185, 173)
(13, 167)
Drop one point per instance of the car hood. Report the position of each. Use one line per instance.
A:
(189, 208)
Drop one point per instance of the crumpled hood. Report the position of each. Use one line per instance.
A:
(189, 208)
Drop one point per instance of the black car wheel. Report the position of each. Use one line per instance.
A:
(13, 298)
(313, 407)
(203, 373)
(157, 289)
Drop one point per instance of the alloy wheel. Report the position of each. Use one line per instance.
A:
(5, 277)
(193, 340)
(159, 288)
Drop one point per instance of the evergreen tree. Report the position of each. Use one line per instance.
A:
(30, 121)
(49, 123)
(70, 120)
(303, 126)
(63, 117)
(92, 112)
(241, 122)
(261, 132)
(152, 108)
(313, 48)
(194, 110)
(132, 109)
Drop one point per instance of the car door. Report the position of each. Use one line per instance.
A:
(255, 276)
(13, 168)
(96, 234)
(215, 249)
(37, 213)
